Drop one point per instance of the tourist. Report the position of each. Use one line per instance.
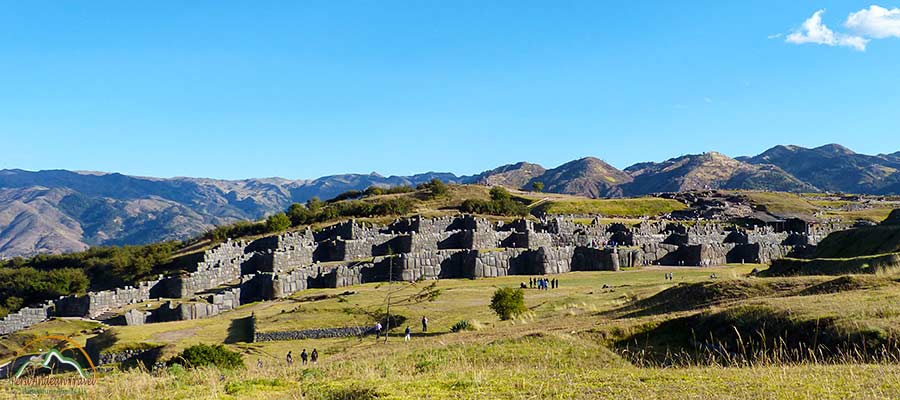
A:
(314, 356)
(377, 330)
(258, 363)
(424, 324)
(408, 333)
(303, 357)
(530, 283)
(290, 359)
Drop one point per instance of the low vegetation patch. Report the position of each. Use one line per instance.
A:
(208, 355)
(501, 203)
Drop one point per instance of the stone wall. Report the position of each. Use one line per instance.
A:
(463, 246)
(319, 333)
(25, 318)
(171, 311)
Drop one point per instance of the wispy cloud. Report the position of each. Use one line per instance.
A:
(871, 23)
(707, 100)
(775, 36)
(814, 31)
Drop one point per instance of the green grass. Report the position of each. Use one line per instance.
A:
(565, 346)
(781, 204)
(636, 207)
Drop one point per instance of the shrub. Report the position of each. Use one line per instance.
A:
(203, 355)
(498, 194)
(436, 187)
(508, 302)
(466, 325)
(538, 186)
(278, 222)
(503, 206)
(462, 325)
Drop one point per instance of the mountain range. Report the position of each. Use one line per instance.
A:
(60, 211)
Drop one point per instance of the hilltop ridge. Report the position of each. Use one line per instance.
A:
(61, 211)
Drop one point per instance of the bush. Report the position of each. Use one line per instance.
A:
(538, 186)
(499, 194)
(508, 302)
(436, 188)
(466, 325)
(204, 355)
(501, 205)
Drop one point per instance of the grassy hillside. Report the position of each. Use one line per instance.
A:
(781, 203)
(860, 242)
(628, 334)
(636, 207)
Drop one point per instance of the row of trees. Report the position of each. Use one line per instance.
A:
(25, 285)
(28, 281)
(371, 191)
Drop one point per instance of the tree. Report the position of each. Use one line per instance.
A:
(538, 186)
(508, 303)
(438, 188)
(299, 214)
(499, 193)
(278, 222)
(314, 205)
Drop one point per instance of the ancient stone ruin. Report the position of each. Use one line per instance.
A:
(348, 253)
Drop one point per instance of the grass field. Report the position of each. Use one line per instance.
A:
(568, 345)
(636, 207)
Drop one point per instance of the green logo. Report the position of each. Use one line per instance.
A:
(46, 361)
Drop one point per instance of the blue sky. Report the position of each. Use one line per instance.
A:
(229, 89)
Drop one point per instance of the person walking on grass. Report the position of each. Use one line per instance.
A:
(289, 359)
(377, 330)
(314, 356)
(408, 332)
(424, 324)
(259, 363)
(303, 357)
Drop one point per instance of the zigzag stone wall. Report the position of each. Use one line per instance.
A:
(349, 253)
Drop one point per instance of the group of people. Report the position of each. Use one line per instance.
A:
(542, 283)
(408, 331)
(670, 276)
(304, 358)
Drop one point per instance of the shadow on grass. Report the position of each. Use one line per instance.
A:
(240, 330)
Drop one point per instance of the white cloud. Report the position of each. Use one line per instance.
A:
(876, 22)
(775, 36)
(814, 31)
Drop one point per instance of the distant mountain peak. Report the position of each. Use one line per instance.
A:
(588, 176)
(510, 175)
(835, 148)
